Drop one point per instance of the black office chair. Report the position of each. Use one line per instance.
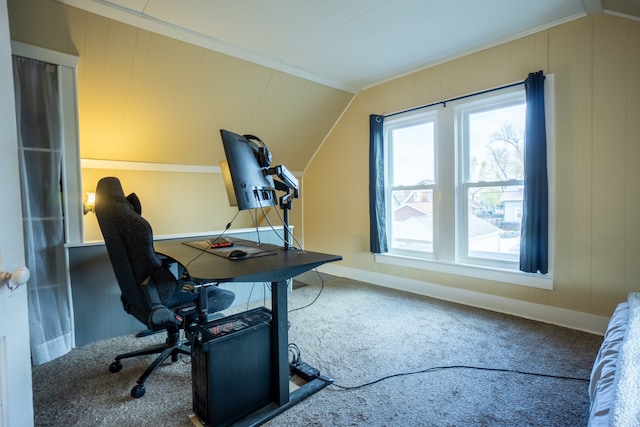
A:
(155, 288)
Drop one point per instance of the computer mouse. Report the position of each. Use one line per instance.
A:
(237, 253)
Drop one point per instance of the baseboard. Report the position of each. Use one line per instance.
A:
(543, 313)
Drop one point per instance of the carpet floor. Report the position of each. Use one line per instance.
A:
(397, 359)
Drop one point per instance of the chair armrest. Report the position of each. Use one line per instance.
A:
(160, 317)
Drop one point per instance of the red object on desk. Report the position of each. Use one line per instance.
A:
(221, 245)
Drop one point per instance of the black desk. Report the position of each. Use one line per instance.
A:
(277, 269)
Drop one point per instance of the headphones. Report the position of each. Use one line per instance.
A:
(262, 152)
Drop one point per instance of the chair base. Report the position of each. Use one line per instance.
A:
(172, 347)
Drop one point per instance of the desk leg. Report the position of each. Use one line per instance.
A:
(280, 342)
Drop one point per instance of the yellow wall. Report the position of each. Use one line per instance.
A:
(596, 63)
(148, 98)
(166, 196)
(143, 97)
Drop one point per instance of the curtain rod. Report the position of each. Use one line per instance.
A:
(454, 99)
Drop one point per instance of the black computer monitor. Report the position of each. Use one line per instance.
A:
(245, 172)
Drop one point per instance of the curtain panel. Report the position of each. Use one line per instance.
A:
(40, 155)
(534, 242)
(377, 202)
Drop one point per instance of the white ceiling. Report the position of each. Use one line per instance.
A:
(349, 44)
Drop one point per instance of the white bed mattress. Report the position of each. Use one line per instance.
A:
(601, 387)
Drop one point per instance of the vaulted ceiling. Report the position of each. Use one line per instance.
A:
(354, 44)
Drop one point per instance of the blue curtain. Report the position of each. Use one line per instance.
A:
(534, 243)
(377, 207)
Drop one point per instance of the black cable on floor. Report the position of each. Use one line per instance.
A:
(479, 368)
(317, 296)
(294, 354)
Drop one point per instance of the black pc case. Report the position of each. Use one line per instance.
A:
(231, 367)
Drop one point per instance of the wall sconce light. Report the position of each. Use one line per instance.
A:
(14, 280)
(90, 205)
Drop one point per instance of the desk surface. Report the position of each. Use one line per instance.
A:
(281, 266)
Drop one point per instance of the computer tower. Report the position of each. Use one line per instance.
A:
(231, 367)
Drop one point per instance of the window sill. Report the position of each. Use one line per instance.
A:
(487, 273)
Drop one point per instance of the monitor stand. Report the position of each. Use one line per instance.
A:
(289, 184)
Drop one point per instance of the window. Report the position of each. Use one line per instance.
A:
(454, 182)
(411, 183)
(491, 158)
(72, 190)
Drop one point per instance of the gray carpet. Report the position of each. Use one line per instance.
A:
(357, 333)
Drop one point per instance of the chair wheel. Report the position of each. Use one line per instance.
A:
(115, 366)
(137, 391)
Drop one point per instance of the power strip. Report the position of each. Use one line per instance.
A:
(304, 371)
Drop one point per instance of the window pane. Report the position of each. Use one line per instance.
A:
(412, 154)
(496, 144)
(412, 222)
(493, 222)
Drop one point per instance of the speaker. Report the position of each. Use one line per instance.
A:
(231, 367)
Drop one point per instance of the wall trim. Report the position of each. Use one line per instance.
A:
(154, 167)
(622, 15)
(543, 313)
(195, 234)
(44, 55)
(146, 166)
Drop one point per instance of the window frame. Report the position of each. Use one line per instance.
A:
(462, 110)
(403, 121)
(71, 175)
(447, 256)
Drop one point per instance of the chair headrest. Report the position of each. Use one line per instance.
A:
(110, 187)
(134, 201)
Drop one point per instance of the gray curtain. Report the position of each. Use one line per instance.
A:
(40, 151)
(534, 242)
(377, 202)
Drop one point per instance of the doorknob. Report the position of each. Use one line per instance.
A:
(19, 277)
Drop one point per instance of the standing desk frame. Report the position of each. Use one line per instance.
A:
(277, 269)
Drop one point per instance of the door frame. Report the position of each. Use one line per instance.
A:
(16, 395)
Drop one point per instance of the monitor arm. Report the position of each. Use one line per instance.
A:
(286, 182)
(289, 183)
